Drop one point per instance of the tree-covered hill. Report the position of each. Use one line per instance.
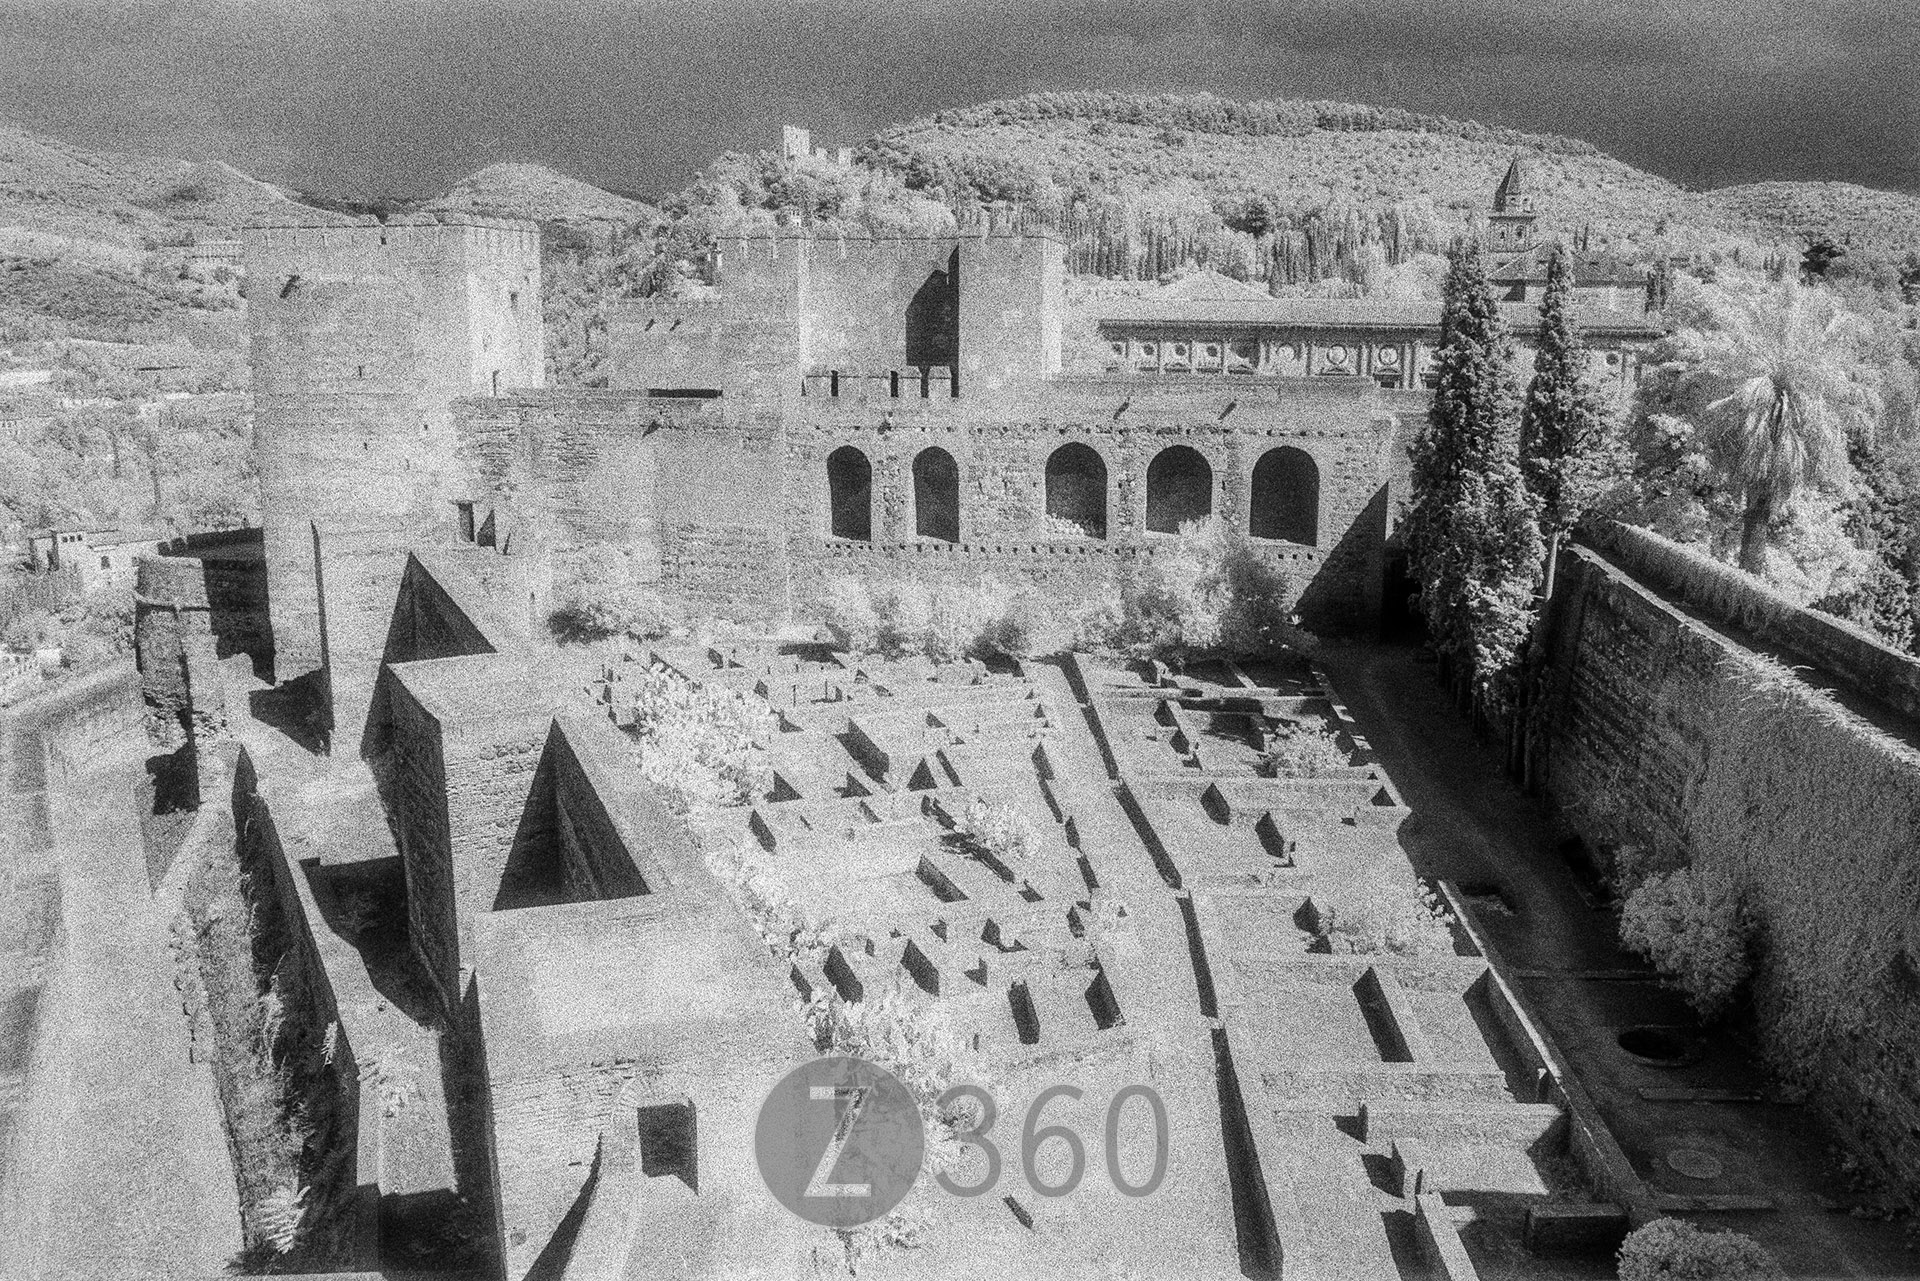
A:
(1192, 165)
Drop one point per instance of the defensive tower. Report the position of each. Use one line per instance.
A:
(363, 336)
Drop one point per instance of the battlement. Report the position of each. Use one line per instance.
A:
(412, 239)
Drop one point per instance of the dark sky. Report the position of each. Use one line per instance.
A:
(397, 97)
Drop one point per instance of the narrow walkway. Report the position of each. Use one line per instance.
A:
(1471, 824)
(120, 1168)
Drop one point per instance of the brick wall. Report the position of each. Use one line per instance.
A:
(1665, 735)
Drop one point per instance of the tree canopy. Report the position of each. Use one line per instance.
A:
(1472, 533)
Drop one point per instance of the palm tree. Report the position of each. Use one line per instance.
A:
(1784, 390)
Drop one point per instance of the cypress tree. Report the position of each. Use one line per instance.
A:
(1564, 425)
(1473, 538)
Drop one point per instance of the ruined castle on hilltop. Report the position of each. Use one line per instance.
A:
(951, 405)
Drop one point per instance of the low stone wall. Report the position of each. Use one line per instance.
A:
(1669, 736)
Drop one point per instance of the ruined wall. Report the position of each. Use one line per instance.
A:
(323, 1073)
(48, 740)
(598, 858)
(201, 601)
(465, 737)
(1669, 736)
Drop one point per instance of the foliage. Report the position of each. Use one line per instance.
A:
(998, 830)
(1564, 426)
(1675, 1250)
(1472, 538)
(1775, 386)
(1209, 592)
(942, 620)
(1883, 520)
(1302, 750)
(1385, 916)
(91, 632)
(911, 1037)
(703, 743)
(1693, 927)
(604, 593)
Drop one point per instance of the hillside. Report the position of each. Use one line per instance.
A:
(106, 200)
(1884, 222)
(538, 194)
(1176, 158)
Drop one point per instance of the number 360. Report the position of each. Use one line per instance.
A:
(1032, 1135)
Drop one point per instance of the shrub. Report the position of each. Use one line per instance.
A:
(941, 620)
(605, 594)
(702, 743)
(912, 1038)
(1694, 931)
(1386, 917)
(1303, 751)
(1675, 1249)
(1211, 592)
(998, 831)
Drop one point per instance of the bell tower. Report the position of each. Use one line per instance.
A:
(1510, 224)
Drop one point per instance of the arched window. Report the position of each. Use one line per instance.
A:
(1076, 492)
(1286, 496)
(850, 493)
(1179, 489)
(936, 495)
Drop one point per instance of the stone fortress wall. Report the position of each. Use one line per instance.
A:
(1669, 736)
(939, 405)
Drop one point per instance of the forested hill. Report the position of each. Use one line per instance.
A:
(1188, 163)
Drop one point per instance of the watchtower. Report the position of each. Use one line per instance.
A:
(363, 334)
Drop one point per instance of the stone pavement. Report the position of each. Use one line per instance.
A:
(120, 1167)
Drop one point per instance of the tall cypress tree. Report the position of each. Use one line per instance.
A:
(1563, 426)
(1473, 538)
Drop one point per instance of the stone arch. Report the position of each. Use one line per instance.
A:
(936, 495)
(1076, 480)
(849, 494)
(1179, 489)
(1285, 502)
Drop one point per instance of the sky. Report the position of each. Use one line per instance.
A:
(369, 98)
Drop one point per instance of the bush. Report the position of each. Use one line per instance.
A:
(1212, 592)
(604, 594)
(1676, 1250)
(1694, 931)
(942, 621)
(1386, 917)
(1303, 751)
(702, 743)
(998, 831)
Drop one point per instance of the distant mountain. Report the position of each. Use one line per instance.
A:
(104, 199)
(539, 194)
